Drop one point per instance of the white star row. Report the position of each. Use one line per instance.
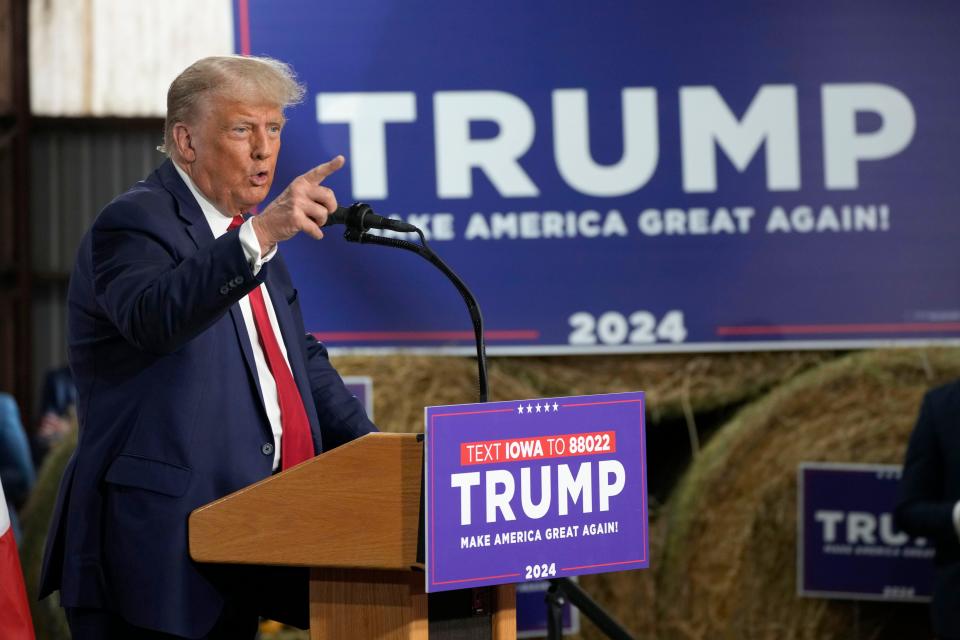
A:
(538, 408)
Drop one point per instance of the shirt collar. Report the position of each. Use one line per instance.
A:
(217, 220)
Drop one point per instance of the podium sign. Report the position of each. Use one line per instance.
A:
(527, 490)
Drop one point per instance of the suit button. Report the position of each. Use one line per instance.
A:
(267, 449)
(238, 280)
(224, 290)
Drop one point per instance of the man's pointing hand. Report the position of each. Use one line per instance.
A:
(303, 206)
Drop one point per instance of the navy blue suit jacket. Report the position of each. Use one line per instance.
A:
(929, 489)
(169, 403)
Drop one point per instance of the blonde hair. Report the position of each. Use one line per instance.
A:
(263, 79)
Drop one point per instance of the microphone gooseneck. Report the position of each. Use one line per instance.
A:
(360, 217)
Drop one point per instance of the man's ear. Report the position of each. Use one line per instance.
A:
(184, 142)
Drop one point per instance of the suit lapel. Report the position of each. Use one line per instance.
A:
(187, 206)
(199, 231)
(244, 338)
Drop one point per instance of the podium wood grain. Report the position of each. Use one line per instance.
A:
(505, 612)
(355, 506)
(390, 605)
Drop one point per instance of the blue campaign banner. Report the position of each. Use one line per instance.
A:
(847, 545)
(526, 490)
(629, 176)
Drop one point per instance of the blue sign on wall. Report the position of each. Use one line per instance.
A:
(847, 545)
(630, 176)
(362, 389)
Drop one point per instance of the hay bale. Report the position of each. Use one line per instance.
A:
(728, 567)
(676, 384)
(700, 383)
(404, 384)
(48, 619)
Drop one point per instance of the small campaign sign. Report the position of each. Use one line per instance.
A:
(531, 489)
(362, 389)
(847, 544)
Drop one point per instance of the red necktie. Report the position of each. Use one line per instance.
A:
(296, 445)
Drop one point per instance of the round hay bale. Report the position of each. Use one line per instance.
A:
(675, 384)
(728, 568)
(48, 619)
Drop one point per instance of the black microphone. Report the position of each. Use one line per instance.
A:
(360, 217)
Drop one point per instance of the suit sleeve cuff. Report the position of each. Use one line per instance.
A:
(251, 247)
(956, 518)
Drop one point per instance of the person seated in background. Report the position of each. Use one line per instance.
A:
(17, 474)
(58, 400)
(194, 373)
(929, 499)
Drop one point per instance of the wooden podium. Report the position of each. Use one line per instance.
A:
(352, 515)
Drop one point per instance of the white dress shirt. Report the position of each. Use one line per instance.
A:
(219, 222)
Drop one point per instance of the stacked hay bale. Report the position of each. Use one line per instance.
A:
(727, 569)
(677, 385)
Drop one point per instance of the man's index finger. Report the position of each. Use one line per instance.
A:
(321, 171)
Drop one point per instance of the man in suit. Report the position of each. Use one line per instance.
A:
(929, 500)
(194, 373)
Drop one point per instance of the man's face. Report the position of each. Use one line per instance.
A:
(236, 145)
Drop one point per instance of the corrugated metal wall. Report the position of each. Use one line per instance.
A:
(117, 57)
(77, 167)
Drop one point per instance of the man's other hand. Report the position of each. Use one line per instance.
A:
(303, 206)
